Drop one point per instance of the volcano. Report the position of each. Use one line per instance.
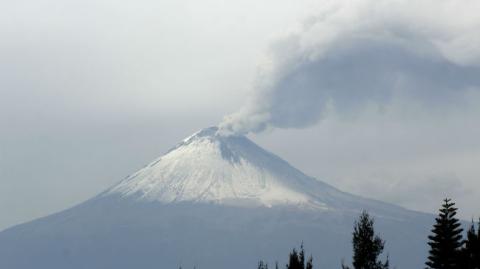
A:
(213, 201)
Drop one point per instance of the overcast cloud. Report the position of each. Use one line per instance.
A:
(92, 90)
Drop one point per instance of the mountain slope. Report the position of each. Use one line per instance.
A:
(213, 201)
(208, 167)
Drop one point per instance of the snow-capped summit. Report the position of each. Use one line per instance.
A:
(228, 169)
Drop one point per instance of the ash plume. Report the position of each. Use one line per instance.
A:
(354, 54)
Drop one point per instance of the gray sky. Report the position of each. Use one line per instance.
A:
(90, 91)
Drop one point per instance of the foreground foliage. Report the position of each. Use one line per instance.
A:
(448, 249)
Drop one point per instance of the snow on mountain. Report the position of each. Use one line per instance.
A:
(210, 167)
(213, 201)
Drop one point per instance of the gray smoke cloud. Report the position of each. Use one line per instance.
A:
(354, 54)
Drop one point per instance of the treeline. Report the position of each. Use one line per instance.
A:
(448, 248)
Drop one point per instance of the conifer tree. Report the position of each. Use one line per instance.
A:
(477, 253)
(446, 239)
(470, 257)
(262, 265)
(367, 246)
(477, 250)
(309, 263)
(296, 260)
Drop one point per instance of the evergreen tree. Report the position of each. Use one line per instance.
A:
(262, 265)
(477, 250)
(367, 246)
(446, 239)
(477, 253)
(470, 257)
(296, 260)
(309, 263)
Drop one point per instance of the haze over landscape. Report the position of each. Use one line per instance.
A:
(85, 85)
(212, 201)
(372, 105)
